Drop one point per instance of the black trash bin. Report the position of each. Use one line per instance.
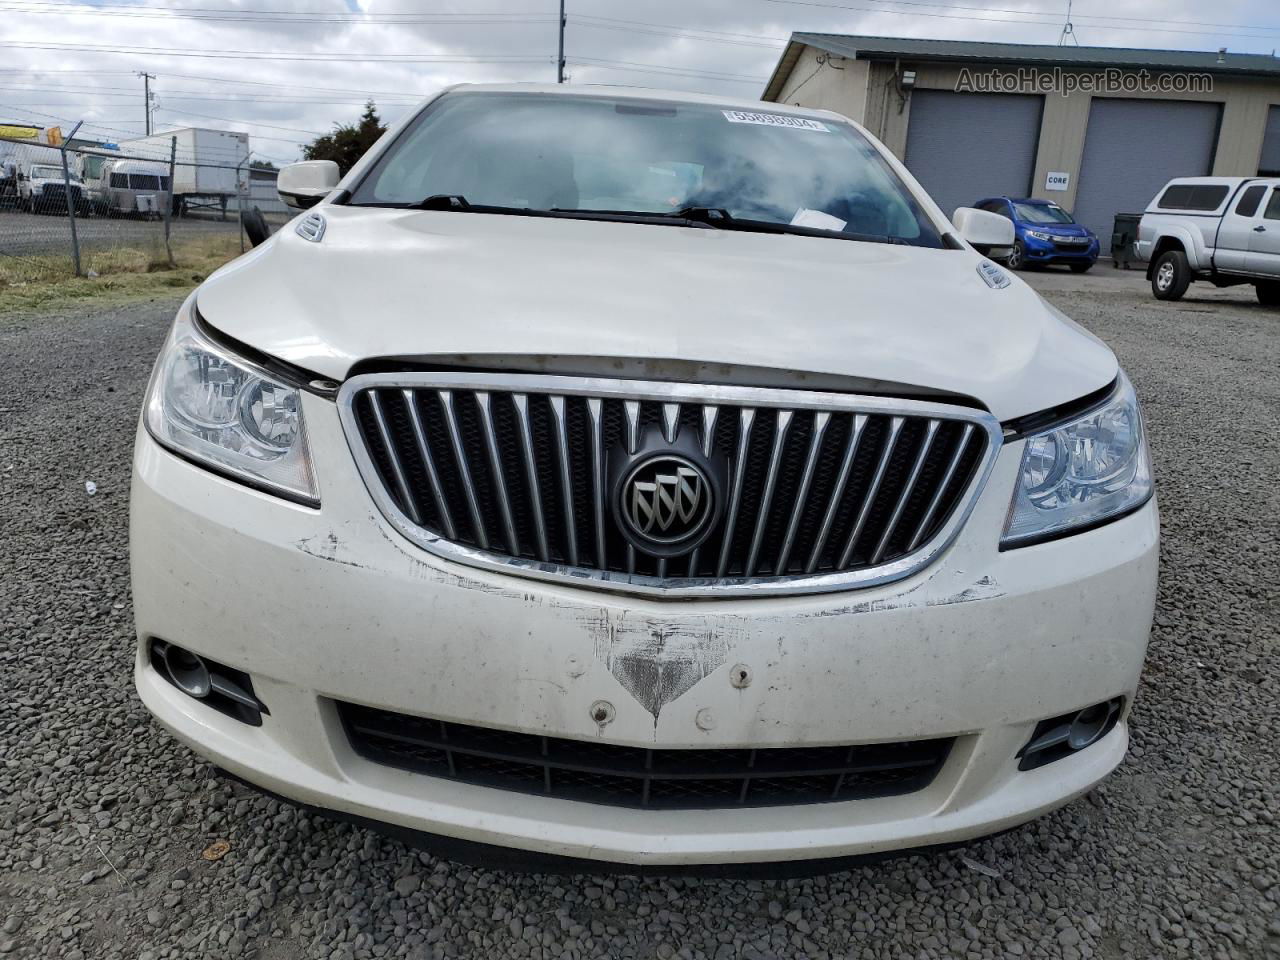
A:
(1124, 239)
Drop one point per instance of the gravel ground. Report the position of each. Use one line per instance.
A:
(103, 817)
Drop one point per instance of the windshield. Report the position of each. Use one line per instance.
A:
(48, 173)
(1042, 213)
(542, 152)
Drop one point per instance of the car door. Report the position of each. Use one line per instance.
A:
(1264, 239)
(1236, 230)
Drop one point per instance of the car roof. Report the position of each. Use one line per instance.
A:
(646, 93)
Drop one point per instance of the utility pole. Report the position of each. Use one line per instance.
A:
(1068, 30)
(560, 56)
(146, 96)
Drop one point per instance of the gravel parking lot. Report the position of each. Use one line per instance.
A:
(103, 817)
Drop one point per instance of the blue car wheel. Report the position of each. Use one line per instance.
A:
(1017, 256)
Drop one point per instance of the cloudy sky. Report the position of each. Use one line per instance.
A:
(285, 70)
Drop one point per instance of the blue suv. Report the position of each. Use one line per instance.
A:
(1044, 233)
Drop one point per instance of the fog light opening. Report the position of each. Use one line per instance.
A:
(188, 672)
(1070, 733)
(216, 685)
(1088, 726)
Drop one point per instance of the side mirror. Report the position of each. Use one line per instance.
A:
(989, 233)
(303, 185)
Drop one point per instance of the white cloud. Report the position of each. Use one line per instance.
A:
(724, 40)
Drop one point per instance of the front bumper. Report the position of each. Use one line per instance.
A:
(1040, 251)
(332, 604)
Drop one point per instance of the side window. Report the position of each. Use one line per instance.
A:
(1249, 201)
(998, 206)
(1193, 196)
(120, 180)
(1273, 206)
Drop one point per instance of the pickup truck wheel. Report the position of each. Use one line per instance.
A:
(1268, 292)
(1171, 275)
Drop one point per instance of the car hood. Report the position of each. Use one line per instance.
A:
(461, 288)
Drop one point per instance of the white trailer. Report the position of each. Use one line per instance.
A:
(212, 165)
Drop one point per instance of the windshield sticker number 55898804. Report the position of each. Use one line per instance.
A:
(775, 120)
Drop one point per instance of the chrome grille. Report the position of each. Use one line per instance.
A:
(823, 490)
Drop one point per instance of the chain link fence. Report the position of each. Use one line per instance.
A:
(142, 206)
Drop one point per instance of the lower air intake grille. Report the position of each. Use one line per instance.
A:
(594, 772)
(802, 491)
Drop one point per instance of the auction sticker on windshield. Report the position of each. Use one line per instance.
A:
(775, 120)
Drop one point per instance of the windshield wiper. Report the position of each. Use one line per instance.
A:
(443, 201)
(716, 218)
(723, 220)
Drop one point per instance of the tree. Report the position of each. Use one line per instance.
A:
(262, 165)
(348, 142)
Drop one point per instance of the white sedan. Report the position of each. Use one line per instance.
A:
(650, 480)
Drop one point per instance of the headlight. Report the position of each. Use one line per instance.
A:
(1040, 236)
(1081, 473)
(226, 413)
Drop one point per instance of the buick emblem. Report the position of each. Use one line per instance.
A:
(666, 499)
(665, 503)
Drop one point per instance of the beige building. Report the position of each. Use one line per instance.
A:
(1097, 129)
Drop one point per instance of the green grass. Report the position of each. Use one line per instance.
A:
(47, 283)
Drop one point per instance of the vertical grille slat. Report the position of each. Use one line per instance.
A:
(516, 472)
(907, 488)
(820, 424)
(837, 492)
(595, 413)
(464, 468)
(397, 469)
(495, 464)
(566, 479)
(746, 416)
(780, 429)
(429, 464)
(670, 421)
(869, 499)
(710, 413)
(631, 410)
(932, 509)
(521, 401)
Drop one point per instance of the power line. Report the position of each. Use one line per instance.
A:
(247, 123)
(683, 29)
(671, 71)
(328, 57)
(633, 29)
(117, 93)
(232, 14)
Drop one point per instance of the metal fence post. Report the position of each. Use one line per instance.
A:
(240, 199)
(66, 189)
(168, 206)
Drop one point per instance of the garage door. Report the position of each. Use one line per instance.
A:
(1132, 148)
(966, 146)
(1269, 165)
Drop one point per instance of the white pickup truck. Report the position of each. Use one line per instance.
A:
(1224, 230)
